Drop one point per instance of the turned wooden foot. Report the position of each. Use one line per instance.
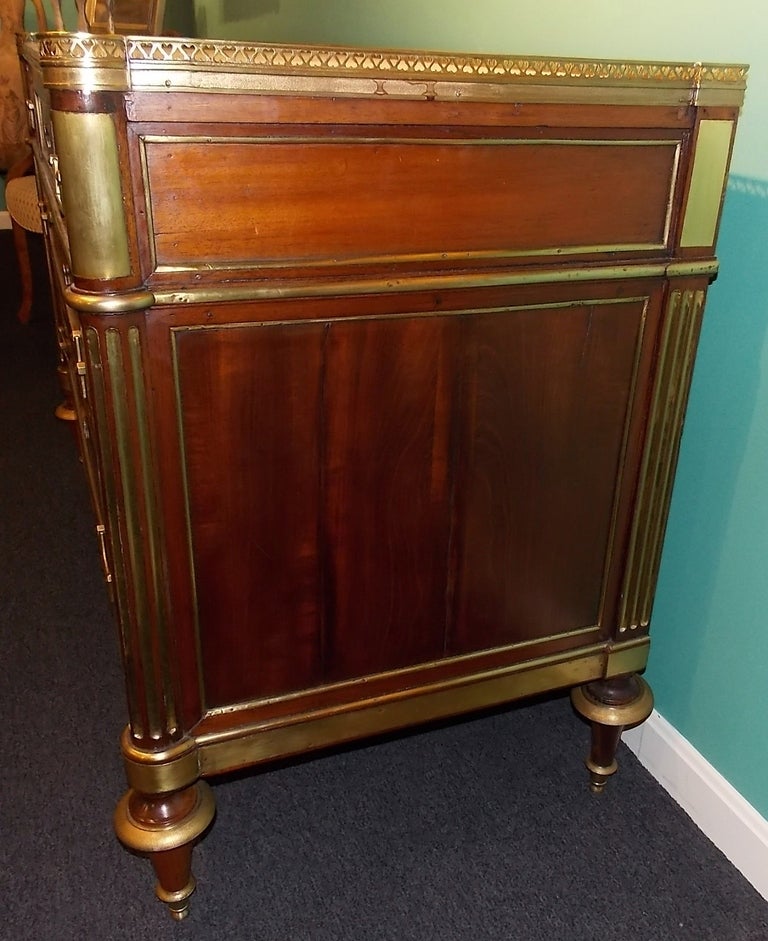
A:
(610, 705)
(165, 827)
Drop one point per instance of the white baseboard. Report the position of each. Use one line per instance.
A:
(714, 805)
(5, 219)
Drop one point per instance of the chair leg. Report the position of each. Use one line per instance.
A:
(25, 271)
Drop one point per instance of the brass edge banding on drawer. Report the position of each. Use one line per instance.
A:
(244, 292)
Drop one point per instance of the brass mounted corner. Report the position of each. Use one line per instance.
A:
(160, 772)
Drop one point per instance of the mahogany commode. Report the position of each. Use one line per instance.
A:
(380, 362)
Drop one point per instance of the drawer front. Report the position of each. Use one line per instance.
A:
(323, 202)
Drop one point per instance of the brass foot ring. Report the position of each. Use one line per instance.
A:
(625, 714)
(156, 838)
(177, 902)
(599, 774)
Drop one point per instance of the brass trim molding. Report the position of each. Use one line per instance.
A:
(123, 303)
(131, 62)
(261, 742)
(678, 346)
(438, 282)
(159, 772)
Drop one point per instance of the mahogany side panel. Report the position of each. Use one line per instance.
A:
(250, 410)
(390, 389)
(548, 393)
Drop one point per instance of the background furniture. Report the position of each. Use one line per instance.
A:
(24, 210)
(380, 363)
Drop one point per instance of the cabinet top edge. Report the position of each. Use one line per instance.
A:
(147, 62)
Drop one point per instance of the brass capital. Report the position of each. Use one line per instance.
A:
(160, 772)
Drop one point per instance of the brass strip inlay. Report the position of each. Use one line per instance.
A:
(678, 345)
(710, 167)
(91, 190)
(415, 141)
(246, 292)
(457, 257)
(232, 748)
(409, 315)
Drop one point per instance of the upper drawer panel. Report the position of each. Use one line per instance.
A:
(289, 203)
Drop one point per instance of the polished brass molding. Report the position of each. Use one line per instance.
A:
(124, 303)
(91, 191)
(626, 714)
(158, 839)
(630, 657)
(705, 194)
(222, 65)
(262, 742)
(678, 347)
(160, 772)
(225, 293)
(693, 269)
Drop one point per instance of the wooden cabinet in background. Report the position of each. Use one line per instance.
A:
(380, 363)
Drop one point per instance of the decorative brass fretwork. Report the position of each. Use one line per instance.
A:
(678, 346)
(400, 72)
(228, 54)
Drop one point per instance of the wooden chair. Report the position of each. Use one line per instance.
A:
(21, 190)
(24, 210)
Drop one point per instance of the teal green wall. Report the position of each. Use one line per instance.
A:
(709, 660)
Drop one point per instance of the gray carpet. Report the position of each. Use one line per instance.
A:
(482, 829)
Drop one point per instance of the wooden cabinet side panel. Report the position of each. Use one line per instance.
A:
(250, 410)
(547, 408)
(390, 393)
